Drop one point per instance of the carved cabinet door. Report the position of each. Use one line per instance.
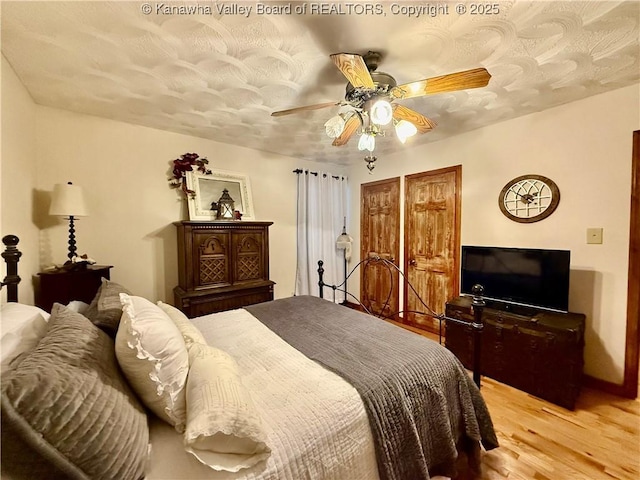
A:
(249, 253)
(211, 262)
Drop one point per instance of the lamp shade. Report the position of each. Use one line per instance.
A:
(381, 112)
(367, 142)
(335, 126)
(68, 201)
(344, 242)
(405, 130)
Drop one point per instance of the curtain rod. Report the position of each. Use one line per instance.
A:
(324, 175)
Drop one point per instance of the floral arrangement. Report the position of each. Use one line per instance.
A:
(185, 164)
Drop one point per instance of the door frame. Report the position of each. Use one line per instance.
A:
(632, 344)
(396, 252)
(457, 169)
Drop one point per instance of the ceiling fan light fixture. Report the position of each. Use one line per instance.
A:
(367, 102)
(367, 142)
(335, 126)
(405, 129)
(381, 112)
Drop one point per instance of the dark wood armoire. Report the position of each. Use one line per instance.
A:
(222, 265)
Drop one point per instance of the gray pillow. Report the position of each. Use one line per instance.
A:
(67, 410)
(105, 309)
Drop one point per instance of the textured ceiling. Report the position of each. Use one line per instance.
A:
(220, 75)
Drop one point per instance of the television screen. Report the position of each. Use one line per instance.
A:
(530, 277)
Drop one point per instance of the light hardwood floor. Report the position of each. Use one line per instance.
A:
(600, 439)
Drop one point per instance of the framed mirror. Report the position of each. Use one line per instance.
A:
(209, 188)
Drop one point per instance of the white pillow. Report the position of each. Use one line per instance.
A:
(22, 328)
(190, 332)
(78, 306)
(224, 430)
(154, 358)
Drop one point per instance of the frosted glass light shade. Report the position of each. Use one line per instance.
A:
(367, 142)
(334, 126)
(405, 130)
(68, 201)
(381, 112)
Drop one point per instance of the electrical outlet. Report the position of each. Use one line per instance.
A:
(594, 235)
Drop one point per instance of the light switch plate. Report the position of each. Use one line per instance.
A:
(594, 235)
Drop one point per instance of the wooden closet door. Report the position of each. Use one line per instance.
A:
(431, 242)
(380, 236)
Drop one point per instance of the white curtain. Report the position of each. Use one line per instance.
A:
(322, 209)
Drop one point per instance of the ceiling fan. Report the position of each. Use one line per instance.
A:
(368, 98)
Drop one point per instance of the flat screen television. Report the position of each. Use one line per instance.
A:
(521, 276)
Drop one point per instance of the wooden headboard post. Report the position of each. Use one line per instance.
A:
(11, 257)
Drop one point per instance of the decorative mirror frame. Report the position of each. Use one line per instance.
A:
(208, 188)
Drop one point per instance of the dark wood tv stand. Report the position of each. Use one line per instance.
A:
(537, 351)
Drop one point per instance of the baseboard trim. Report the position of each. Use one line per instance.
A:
(607, 387)
(353, 305)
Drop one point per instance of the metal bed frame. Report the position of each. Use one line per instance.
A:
(477, 304)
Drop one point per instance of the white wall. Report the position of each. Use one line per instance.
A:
(124, 170)
(585, 147)
(18, 174)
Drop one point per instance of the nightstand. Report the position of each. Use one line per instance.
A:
(63, 286)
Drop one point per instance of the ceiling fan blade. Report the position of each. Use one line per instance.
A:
(317, 106)
(475, 78)
(422, 123)
(353, 67)
(349, 129)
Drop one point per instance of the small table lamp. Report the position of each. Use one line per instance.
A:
(68, 201)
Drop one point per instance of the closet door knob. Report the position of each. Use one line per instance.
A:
(413, 262)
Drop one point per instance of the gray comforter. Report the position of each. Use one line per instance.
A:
(422, 405)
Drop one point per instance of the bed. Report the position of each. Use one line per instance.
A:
(319, 391)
